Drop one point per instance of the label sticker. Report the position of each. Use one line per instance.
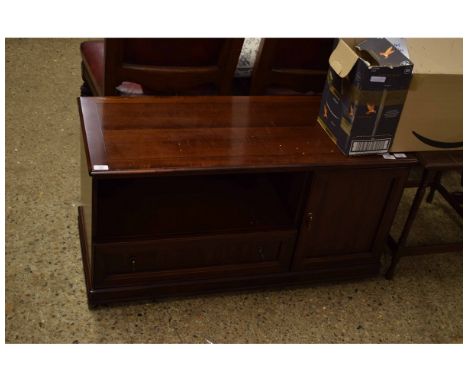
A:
(101, 167)
(399, 155)
(377, 79)
(376, 146)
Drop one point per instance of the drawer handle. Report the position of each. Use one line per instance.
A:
(133, 262)
(310, 217)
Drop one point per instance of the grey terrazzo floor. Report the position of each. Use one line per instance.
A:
(45, 294)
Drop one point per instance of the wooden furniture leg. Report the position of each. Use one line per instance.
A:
(453, 198)
(434, 164)
(437, 182)
(399, 247)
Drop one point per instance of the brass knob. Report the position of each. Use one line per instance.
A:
(133, 262)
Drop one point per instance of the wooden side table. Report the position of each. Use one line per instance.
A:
(434, 164)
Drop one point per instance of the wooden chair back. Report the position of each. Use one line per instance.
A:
(171, 65)
(291, 65)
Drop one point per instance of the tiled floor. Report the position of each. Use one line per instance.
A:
(45, 294)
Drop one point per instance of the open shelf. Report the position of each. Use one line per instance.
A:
(191, 205)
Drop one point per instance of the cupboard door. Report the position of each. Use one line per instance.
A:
(347, 217)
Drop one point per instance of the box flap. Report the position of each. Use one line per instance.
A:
(436, 55)
(343, 59)
(400, 44)
(381, 52)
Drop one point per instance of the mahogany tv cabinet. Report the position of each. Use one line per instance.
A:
(184, 195)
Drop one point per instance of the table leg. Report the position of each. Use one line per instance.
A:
(434, 185)
(397, 253)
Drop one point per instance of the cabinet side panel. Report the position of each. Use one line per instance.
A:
(86, 199)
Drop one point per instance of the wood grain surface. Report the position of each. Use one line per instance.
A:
(209, 134)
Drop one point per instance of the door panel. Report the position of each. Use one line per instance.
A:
(344, 215)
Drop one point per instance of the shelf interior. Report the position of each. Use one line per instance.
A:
(187, 205)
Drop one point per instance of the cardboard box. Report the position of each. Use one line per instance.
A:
(364, 94)
(432, 118)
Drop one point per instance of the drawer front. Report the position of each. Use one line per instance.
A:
(204, 257)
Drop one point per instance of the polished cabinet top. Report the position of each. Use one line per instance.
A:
(139, 135)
